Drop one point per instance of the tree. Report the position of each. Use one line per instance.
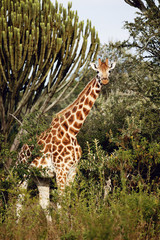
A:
(142, 5)
(145, 39)
(42, 49)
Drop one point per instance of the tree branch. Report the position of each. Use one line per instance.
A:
(16, 119)
(137, 4)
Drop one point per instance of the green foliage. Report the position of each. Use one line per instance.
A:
(116, 191)
(138, 159)
(145, 38)
(91, 209)
(121, 216)
(41, 53)
(144, 35)
(133, 91)
(33, 126)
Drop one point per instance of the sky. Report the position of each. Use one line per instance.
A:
(108, 16)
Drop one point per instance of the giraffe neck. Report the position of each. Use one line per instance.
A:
(73, 117)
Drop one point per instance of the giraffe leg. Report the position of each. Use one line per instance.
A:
(61, 183)
(23, 186)
(71, 175)
(63, 179)
(44, 199)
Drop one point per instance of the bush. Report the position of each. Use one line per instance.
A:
(121, 216)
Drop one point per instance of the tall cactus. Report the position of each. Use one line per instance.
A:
(42, 48)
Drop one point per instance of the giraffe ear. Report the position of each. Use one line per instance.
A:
(112, 65)
(99, 62)
(107, 61)
(93, 66)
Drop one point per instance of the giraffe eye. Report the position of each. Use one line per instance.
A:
(97, 71)
(109, 71)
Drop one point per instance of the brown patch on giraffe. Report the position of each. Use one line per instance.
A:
(65, 152)
(71, 163)
(65, 141)
(82, 99)
(35, 162)
(31, 147)
(93, 94)
(97, 91)
(69, 148)
(56, 140)
(79, 155)
(67, 168)
(88, 91)
(55, 154)
(61, 181)
(62, 119)
(77, 125)
(53, 131)
(60, 133)
(73, 131)
(86, 111)
(71, 119)
(54, 147)
(67, 114)
(62, 165)
(66, 159)
(55, 120)
(86, 101)
(25, 147)
(97, 86)
(48, 139)
(43, 161)
(74, 109)
(44, 138)
(28, 153)
(40, 142)
(59, 159)
(60, 147)
(48, 148)
(65, 125)
(56, 125)
(79, 115)
(67, 135)
(90, 104)
(80, 106)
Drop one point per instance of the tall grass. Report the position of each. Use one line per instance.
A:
(121, 216)
(126, 212)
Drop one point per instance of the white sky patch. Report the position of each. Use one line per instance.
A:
(108, 16)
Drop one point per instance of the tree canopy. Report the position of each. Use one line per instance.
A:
(42, 49)
(143, 5)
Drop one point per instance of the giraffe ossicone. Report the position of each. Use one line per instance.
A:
(61, 152)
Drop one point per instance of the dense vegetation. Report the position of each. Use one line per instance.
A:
(116, 192)
(42, 48)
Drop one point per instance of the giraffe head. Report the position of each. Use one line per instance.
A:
(103, 70)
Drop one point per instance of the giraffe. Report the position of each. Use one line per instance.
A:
(61, 152)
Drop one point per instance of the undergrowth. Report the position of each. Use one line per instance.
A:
(115, 196)
(119, 216)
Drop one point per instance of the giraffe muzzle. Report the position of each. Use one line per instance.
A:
(105, 81)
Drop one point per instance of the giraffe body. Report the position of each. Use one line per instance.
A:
(60, 149)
